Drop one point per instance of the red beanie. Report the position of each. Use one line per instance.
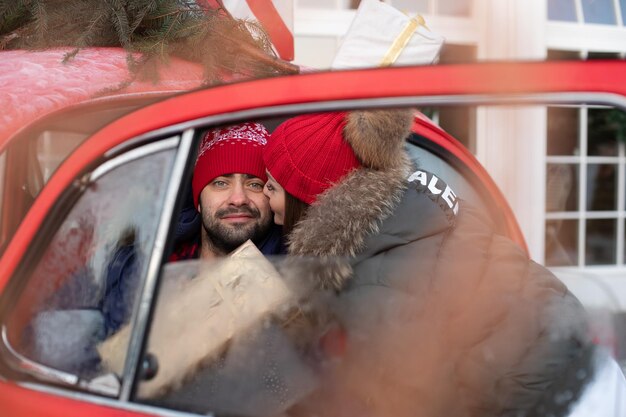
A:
(308, 154)
(235, 149)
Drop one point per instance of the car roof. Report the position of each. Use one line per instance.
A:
(38, 83)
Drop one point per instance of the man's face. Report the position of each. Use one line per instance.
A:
(234, 210)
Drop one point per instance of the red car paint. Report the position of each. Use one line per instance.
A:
(36, 84)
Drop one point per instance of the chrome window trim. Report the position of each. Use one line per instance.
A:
(42, 372)
(134, 154)
(23, 364)
(110, 402)
(19, 362)
(141, 312)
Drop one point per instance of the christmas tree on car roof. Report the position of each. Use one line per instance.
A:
(151, 31)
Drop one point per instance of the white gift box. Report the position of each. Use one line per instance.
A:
(381, 35)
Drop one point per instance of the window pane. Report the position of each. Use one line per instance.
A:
(458, 121)
(601, 187)
(623, 5)
(606, 129)
(561, 242)
(562, 187)
(599, 11)
(454, 7)
(83, 288)
(249, 363)
(411, 6)
(562, 10)
(452, 54)
(601, 242)
(603, 55)
(53, 147)
(603, 128)
(563, 131)
(556, 54)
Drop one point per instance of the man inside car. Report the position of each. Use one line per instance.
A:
(229, 208)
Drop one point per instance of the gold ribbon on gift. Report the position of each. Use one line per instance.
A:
(402, 40)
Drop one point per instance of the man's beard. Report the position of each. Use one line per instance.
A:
(228, 237)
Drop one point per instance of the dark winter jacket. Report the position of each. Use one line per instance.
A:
(443, 316)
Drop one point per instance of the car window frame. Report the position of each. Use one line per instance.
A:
(100, 112)
(149, 292)
(147, 289)
(286, 111)
(18, 363)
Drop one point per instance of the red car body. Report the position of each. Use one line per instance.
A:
(40, 96)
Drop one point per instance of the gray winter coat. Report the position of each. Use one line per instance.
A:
(443, 316)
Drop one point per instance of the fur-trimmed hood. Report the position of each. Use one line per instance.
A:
(338, 222)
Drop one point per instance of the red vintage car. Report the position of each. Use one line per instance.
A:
(83, 158)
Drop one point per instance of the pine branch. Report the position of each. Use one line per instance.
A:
(68, 56)
(86, 38)
(140, 10)
(13, 8)
(157, 29)
(120, 21)
(40, 16)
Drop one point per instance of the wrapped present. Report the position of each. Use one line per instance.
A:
(201, 307)
(381, 36)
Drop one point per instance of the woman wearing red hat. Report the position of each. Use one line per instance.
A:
(443, 317)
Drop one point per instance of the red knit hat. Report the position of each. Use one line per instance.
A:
(235, 149)
(308, 154)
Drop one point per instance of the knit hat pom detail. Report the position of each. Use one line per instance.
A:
(377, 136)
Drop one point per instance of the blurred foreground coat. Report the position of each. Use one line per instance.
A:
(443, 316)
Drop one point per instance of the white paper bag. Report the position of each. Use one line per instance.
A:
(381, 35)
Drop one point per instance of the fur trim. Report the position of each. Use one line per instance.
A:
(377, 136)
(341, 218)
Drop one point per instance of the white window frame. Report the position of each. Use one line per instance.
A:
(583, 214)
(587, 37)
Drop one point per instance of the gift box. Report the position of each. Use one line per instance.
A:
(381, 36)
